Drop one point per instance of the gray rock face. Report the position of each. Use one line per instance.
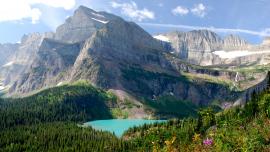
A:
(199, 46)
(82, 25)
(195, 46)
(52, 62)
(234, 42)
(22, 57)
(6, 51)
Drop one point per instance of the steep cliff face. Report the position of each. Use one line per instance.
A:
(82, 25)
(248, 93)
(6, 51)
(234, 42)
(22, 57)
(195, 46)
(49, 67)
(203, 47)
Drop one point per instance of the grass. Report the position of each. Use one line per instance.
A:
(170, 106)
(212, 79)
(119, 113)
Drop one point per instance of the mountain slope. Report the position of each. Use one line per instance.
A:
(78, 102)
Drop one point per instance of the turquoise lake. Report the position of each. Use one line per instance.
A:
(119, 126)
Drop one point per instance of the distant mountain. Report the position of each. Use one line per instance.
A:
(203, 47)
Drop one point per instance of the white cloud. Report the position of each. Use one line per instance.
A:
(263, 33)
(131, 10)
(180, 10)
(35, 15)
(199, 10)
(66, 4)
(15, 10)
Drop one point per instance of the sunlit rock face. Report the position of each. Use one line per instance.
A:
(6, 51)
(82, 25)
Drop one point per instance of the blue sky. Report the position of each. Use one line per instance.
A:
(247, 18)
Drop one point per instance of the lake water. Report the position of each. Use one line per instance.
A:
(119, 126)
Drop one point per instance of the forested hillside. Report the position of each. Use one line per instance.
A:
(78, 102)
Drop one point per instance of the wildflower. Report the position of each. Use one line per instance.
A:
(208, 142)
(196, 137)
(212, 134)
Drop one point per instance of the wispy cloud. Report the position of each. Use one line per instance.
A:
(66, 4)
(131, 10)
(199, 10)
(263, 33)
(180, 10)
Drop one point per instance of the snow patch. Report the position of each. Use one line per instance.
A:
(237, 53)
(98, 15)
(104, 22)
(2, 88)
(8, 64)
(60, 83)
(162, 38)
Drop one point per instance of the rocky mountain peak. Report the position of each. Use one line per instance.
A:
(232, 42)
(206, 34)
(82, 25)
(30, 37)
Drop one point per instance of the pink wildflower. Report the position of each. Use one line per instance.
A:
(208, 142)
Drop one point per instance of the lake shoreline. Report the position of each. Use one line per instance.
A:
(118, 126)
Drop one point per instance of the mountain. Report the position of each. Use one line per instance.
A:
(84, 23)
(119, 55)
(6, 51)
(234, 42)
(203, 47)
(22, 57)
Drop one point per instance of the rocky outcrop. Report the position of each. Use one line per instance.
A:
(53, 60)
(6, 51)
(248, 93)
(234, 42)
(22, 57)
(82, 25)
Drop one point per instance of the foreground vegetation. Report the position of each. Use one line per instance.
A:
(59, 136)
(48, 121)
(237, 129)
